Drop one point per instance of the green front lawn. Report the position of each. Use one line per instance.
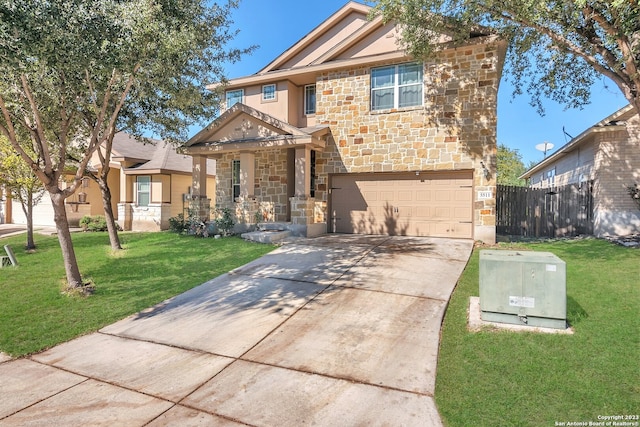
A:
(35, 315)
(524, 379)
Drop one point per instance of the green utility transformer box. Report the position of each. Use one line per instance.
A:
(523, 288)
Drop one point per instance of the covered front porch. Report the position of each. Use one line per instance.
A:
(265, 171)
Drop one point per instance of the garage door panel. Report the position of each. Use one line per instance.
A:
(404, 196)
(429, 205)
(423, 195)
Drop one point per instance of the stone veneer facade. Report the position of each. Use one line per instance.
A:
(454, 130)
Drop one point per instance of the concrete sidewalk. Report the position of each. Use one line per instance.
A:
(337, 330)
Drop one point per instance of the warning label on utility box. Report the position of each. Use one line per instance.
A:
(522, 302)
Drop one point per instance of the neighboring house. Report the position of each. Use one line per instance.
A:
(344, 132)
(149, 184)
(607, 153)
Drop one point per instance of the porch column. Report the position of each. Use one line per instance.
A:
(125, 203)
(199, 202)
(247, 175)
(199, 176)
(125, 191)
(302, 167)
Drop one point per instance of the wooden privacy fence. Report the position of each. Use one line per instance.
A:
(545, 212)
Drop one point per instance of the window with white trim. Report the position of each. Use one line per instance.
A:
(234, 96)
(396, 86)
(143, 190)
(235, 179)
(310, 99)
(269, 92)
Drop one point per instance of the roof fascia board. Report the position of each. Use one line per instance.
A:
(287, 74)
(569, 147)
(305, 41)
(361, 33)
(601, 126)
(238, 110)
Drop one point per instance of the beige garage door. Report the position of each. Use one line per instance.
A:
(431, 204)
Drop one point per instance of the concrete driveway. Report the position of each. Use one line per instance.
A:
(337, 330)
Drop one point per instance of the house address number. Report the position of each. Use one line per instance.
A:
(482, 195)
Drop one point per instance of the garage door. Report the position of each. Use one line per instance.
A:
(42, 212)
(429, 204)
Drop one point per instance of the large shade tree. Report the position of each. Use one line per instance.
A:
(74, 72)
(557, 49)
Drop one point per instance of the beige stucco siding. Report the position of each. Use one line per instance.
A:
(322, 44)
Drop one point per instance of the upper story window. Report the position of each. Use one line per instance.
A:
(143, 190)
(309, 99)
(396, 86)
(269, 92)
(234, 96)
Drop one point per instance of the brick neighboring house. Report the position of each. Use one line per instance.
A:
(607, 153)
(344, 132)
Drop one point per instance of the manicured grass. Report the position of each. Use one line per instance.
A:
(35, 315)
(503, 378)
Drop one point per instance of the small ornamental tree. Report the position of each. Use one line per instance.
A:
(23, 184)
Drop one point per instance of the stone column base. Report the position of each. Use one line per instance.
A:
(302, 210)
(200, 206)
(125, 216)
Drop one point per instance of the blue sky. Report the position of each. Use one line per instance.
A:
(275, 25)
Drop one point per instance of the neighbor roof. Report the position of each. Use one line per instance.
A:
(615, 120)
(154, 157)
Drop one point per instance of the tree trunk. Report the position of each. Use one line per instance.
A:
(29, 213)
(74, 280)
(112, 228)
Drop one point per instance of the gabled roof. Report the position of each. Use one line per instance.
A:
(155, 157)
(615, 121)
(244, 128)
(346, 39)
(352, 16)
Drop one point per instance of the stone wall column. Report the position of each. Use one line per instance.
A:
(302, 165)
(200, 204)
(125, 216)
(247, 175)
(302, 210)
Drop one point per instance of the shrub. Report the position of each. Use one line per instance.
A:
(634, 192)
(224, 221)
(93, 223)
(178, 224)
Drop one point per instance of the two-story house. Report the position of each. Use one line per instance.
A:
(344, 132)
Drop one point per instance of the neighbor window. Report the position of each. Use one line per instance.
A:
(269, 92)
(309, 99)
(235, 179)
(234, 96)
(551, 176)
(396, 86)
(144, 190)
